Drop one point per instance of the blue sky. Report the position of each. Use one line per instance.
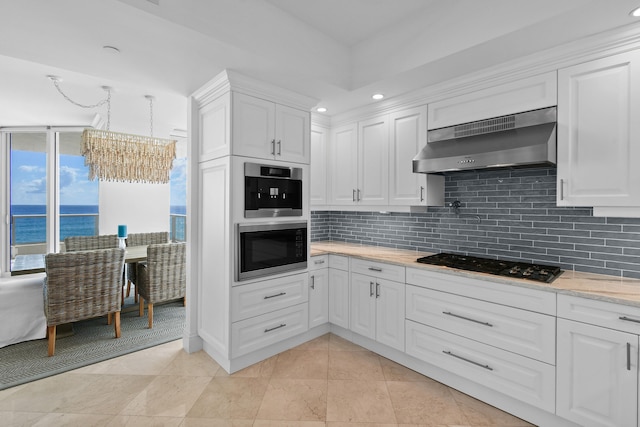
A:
(28, 180)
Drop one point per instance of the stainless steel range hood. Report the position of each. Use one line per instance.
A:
(521, 139)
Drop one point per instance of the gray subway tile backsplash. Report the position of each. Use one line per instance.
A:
(508, 213)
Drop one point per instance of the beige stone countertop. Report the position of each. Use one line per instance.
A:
(596, 286)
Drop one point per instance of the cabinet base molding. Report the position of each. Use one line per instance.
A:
(503, 402)
(241, 362)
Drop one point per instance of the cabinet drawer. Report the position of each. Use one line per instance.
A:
(338, 261)
(519, 377)
(378, 269)
(624, 318)
(268, 295)
(523, 332)
(483, 289)
(261, 331)
(318, 262)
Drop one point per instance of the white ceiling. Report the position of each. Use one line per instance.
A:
(337, 51)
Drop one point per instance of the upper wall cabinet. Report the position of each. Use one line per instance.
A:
(360, 163)
(523, 95)
(266, 130)
(407, 136)
(318, 165)
(598, 132)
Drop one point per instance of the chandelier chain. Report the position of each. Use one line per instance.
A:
(107, 101)
(151, 115)
(99, 104)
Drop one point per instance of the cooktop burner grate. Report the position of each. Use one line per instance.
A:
(521, 270)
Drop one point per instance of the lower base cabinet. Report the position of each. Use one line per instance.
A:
(318, 296)
(597, 375)
(339, 291)
(517, 376)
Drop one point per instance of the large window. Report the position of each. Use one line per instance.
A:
(50, 196)
(178, 182)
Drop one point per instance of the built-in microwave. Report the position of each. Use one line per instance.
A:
(270, 248)
(271, 191)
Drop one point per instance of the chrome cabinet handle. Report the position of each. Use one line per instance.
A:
(378, 269)
(628, 319)
(282, 325)
(467, 360)
(313, 282)
(561, 189)
(377, 290)
(628, 356)
(276, 295)
(370, 289)
(421, 193)
(353, 196)
(448, 313)
(320, 261)
(273, 147)
(279, 148)
(358, 199)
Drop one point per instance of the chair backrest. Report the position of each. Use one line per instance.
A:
(89, 243)
(140, 239)
(82, 284)
(167, 270)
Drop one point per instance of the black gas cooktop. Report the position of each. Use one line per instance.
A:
(520, 270)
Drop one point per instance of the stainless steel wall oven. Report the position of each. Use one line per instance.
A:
(270, 248)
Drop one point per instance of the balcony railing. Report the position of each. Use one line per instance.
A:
(31, 229)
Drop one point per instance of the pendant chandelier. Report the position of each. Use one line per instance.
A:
(115, 156)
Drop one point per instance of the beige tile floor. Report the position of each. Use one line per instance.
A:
(325, 382)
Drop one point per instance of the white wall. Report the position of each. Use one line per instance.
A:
(141, 207)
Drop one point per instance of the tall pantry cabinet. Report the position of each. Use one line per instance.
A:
(233, 120)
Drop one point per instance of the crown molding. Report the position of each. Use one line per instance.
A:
(586, 49)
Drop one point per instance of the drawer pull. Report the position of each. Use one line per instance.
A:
(628, 357)
(282, 325)
(276, 295)
(467, 360)
(448, 313)
(320, 261)
(628, 319)
(375, 269)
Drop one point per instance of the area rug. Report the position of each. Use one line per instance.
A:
(90, 341)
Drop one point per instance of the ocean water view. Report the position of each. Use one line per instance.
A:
(29, 222)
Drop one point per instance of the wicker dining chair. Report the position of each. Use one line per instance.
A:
(163, 276)
(142, 239)
(89, 243)
(82, 285)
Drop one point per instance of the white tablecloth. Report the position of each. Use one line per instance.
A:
(21, 309)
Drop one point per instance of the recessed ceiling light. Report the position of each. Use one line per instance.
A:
(111, 49)
(377, 96)
(635, 12)
(321, 109)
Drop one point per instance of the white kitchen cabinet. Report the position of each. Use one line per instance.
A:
(344, 164)
(527, 94)
(267, 130)
(318, 165)
(373, 161)
(597, 375)
(598, 131)
(339, 291)
(377, 309)
(318, 291)
(407, 136)
(597, 362)
(360, 163)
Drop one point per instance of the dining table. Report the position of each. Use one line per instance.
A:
(34, 263)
